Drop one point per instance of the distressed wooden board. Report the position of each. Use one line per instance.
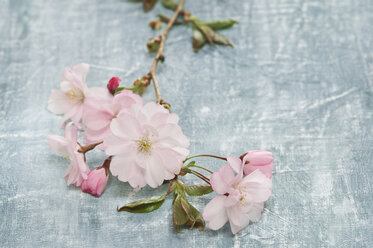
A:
(298, 83)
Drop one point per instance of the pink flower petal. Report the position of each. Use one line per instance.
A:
(115, 145)
(255, 212)
(259, 158)
(154, 175)
(257, 187)
(172, 161)
(123, 166)
(126, 126)
(81, 71)
(97, 119)
(221, 179)
(235, 163)
(266, 170)
(215, 213)
(237, 219)
(172, 134)
(58, 144)
(152, 108)
(58, 102)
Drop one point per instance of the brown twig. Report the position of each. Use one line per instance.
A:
(160, 55)
(84, 149)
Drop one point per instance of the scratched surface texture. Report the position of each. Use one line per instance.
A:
(298, 83)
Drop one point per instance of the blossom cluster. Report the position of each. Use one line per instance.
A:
(144, 145)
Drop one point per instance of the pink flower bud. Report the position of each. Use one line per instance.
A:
(258, 159)
(113, 84)
(96, 181)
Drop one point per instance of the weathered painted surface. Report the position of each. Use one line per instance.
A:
(298, 83)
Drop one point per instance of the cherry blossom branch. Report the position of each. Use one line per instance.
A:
(160, 55)
(87, 148)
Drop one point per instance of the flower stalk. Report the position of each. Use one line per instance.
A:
(205, 155)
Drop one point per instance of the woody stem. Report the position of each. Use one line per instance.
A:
(160, 55)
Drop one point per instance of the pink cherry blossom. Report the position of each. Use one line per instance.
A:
(67, 146)
(148, 145)
(240, 199)
(70, 100)
(96, 181)
(257, 159)
(99, 114)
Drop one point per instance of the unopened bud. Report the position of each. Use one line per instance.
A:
(156, 24)
(140, 85)
(113, 84)
(153, 44)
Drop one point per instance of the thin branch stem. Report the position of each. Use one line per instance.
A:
(200, 176)
(160, 55)
(205, 155)
(201, 167)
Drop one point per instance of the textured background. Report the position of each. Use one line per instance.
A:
(298, 83)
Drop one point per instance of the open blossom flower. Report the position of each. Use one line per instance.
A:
(68, 147)
(99, 114)
(96, 181)
(148, 145)
(241, 199)
(70, 100)
(257, 159)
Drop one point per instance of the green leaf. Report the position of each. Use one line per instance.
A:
(145, 205)
(179, 217)
(198, 190)
(195, 217)
(169, 4)
(183, 212)
(199, 40)
(208, 32)
(220, 24)
(222, 40)
(148, 4)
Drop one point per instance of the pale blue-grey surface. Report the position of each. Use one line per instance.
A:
(298, 83)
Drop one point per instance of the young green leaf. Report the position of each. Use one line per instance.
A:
(179, 217)
(220, 24)
(195, 219)
(183, 212)
(222, 40)
(198, 190)
(208, 32)
(145, 205)
(199, 40)
(169, 4)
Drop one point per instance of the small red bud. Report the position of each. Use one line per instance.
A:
(113, 84)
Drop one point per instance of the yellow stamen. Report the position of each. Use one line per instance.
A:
(75, 94)
(144, 145)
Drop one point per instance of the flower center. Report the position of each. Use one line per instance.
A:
(241, 193)
(75, 94)
(144, 145)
